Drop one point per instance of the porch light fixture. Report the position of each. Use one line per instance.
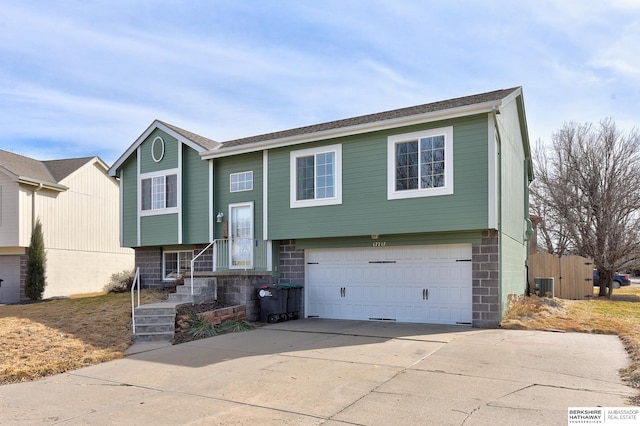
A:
(219, 217)
(375, 236)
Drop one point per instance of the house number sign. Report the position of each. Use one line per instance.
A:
(379, 243)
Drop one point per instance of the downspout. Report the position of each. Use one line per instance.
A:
(494, 111)
(529, 231)
(33, 206)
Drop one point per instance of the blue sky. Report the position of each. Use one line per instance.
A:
(83, 78)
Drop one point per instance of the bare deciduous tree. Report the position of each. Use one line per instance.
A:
(587, 191)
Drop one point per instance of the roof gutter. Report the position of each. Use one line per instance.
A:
(353, 130)
(41, 185)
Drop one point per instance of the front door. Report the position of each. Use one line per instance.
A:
(241, 236)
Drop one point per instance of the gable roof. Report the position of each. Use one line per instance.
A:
(200, 140)
(48, 174)
(60, 169)
(440, 110)
(195, 141)
(474, 104)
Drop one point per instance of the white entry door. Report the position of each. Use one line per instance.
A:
(430, 284)
(241, 236)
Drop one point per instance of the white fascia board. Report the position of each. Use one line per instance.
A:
(133, 148)
(265, 195)
(210, 203)
(10, 174)
(179, 194)
(511, 96)
(181, 138)
(354, 130)
(155, 125)
(492, 178)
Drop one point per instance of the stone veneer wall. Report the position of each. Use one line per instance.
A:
(241, 288)
(292, 267)
(291, 263)
(149, 260)
(486, 281)
(205, 261)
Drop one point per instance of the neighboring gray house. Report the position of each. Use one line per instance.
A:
(77, 204)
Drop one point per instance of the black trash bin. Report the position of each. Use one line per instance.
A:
(273, 303)
(294, 297)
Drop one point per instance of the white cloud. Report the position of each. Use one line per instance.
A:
(102, 71)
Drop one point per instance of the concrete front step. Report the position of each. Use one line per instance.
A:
(204, 289)
(154, 337)
(155, 322)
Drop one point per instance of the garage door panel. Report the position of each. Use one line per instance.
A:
(411, 284)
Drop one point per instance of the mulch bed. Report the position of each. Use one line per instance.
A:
(180, 336)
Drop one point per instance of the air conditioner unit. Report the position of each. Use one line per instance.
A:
(544, 287)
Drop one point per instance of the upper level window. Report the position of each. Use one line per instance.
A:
(159, 192)
(316, 176)
(420, 164)
(241, 181)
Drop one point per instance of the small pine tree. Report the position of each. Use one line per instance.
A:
(35, 280)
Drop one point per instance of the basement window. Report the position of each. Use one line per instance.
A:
(176, 263)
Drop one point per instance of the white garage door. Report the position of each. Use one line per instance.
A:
(430, 284)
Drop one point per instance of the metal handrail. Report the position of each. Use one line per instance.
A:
(134, 285)
(194, 259)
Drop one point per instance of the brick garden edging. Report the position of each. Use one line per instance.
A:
(215, 317)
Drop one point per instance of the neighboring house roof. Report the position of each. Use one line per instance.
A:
(195, 141)
(60, 169)
(49, 174)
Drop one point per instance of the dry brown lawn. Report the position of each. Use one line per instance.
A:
(620, 315)
(51, 337)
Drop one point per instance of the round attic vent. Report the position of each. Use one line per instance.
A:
(157, 149)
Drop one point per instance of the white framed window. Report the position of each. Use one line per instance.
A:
(420, 164)
(159, 193)
(242, 181)
(176, 263)
(316, 176)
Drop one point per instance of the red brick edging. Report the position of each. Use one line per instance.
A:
(238, 312)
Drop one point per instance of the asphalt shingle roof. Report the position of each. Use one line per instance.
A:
(200, 140)
(52, 171)
(381, 116)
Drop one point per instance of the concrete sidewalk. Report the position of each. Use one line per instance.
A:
(312, 371)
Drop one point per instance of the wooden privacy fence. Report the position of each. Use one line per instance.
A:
(572, 275)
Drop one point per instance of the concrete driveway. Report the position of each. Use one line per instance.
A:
(329, 372)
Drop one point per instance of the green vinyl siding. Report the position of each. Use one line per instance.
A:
(513, 255)
(513, 214)
(170, 158)
(513, 174)
(365, 209)
(159, 230)
(223, 168)
(129, 206)
(195, 198)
